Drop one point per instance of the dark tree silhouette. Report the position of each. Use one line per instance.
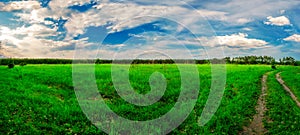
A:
(235, 60)
(11, 65)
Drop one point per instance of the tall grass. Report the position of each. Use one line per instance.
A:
(291, 77)
(283, 114)
(39, 99)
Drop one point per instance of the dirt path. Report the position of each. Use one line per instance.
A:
(279, 79)
(257, 127)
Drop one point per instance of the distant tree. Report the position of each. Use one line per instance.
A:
(98, 61)
(284, 59)
(11, 65)
(280, 61)
(246, 59)
(252, 60)
(288, 61)
(273, 61)
(227, 60)
(292, 61)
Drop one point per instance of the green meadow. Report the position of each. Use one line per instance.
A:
(40, 99)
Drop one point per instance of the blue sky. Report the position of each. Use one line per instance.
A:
(113, 29)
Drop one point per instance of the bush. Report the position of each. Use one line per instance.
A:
(11, 65)
(274, 67)
(23, 64)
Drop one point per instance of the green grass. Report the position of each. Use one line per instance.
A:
(291, 77)
(283, 115)
(39, 99)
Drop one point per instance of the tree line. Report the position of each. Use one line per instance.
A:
(262, 60)
(17, 61)
(228, 60)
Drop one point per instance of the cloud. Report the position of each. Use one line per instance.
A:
(32, 41)
(201, 48)
(249, 9)
(59, 4)
(56, 9)
(124, 16)
(239, 40)
(278, 21)
(282, 11)
(247, 29)
(118, 16)
(164, 41)
(35, 38)
(295, 38)
(19, 5)
(158, 2)
(39, 15)
(34, 30)
(243, 20)
(274, 51)
(40, 48)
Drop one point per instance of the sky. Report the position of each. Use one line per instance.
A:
(169, 29)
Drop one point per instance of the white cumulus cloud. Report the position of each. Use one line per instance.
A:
(279, 21)
(31, 42)
(295, 38)
(239, 40)
(123, 16)
(19, 5)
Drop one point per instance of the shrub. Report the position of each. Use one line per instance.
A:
(23, 64)
(11, 65)
(273, 67)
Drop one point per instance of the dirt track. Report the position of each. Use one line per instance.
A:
(257, 127)
(279, 79)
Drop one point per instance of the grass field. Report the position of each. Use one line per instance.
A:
(291, 76)
(40, 99)
(283, 114)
